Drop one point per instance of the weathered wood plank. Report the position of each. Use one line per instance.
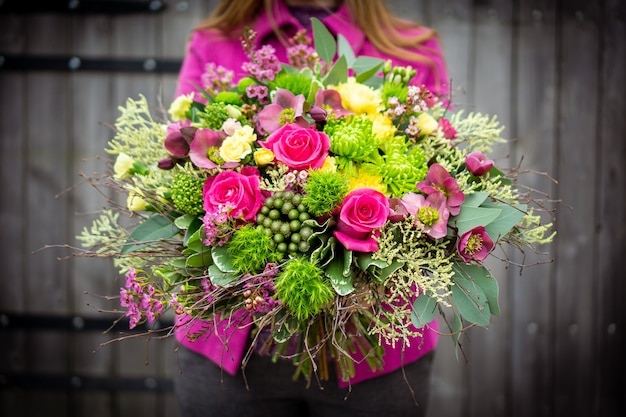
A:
(577, 118)
(610, 209)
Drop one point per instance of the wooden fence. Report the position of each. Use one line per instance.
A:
(554, 73)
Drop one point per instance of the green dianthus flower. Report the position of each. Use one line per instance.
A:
(303, 288)
(324, 191)
(250, 249)
(186, 193)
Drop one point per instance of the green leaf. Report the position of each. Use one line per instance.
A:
(510, 216)
(191, 230)
(199, 260)
(474, 199)
(344, 49)
(184, 221)
(471, 217)
(457, 330)
(338, 74)
(150, 232)
(424, 310)
(194, 242)
(221, 258)
(470, 300)
(335, 273)
(221, 278)
(325, 44)
(483, 278)
(364, 64)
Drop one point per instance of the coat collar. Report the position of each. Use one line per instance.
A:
(339, 22)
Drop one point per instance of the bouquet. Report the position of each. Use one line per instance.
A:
(327, 203)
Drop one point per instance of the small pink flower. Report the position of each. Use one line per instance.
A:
(363, 212)
(298, 147)
(233, 189)
(474, 244)
(438, 180)
(286, 108)
(478, 164)
(449, 132)
(430, 213)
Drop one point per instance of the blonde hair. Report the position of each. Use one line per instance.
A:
(378, 24)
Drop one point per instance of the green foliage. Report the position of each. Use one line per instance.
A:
(250, 249)
(302, 287)
(296, 82)
(186, 193)
(324, 191)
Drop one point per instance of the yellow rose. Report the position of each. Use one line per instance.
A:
(426, 124)
(234, 149)
(135, 201)
(358, 97)
(123, 165)
(263, 156)
(246, 133)
(180, 106)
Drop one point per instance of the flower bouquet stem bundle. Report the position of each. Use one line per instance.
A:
(328, 205)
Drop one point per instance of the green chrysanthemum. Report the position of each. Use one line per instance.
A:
(186, 193)
(324, 191)
(297, 83)
(401, 166)
(250, 249)
(395, 90)
(302, 287)
(351, 139)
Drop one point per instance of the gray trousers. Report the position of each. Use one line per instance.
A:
(204, 390)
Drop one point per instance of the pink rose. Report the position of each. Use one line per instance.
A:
(298, 147)
(474, 244)
(239, 191)
(364, 211)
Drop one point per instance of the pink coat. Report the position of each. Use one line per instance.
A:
(227, 344)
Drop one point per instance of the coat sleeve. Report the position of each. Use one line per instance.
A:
(193, 65)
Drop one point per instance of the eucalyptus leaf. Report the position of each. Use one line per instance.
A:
(345, 49)
(483, 278)
(365, 64)
(471, 217)
(475, 199)
(456, 330)
(508, 218)
(470, 300)
(150, 232)
(325, 44)
(338, 73)
(423, 311)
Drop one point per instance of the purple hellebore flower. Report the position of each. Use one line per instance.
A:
(438, 180)
(430, 213)
(478, 164)
(286, 108)
(204, 149)
(474, 244)
(330, 100)
(178, 139)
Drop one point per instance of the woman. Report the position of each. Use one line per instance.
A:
(211, 381)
